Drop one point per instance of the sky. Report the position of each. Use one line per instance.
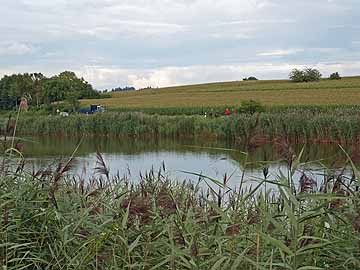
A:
(161, 43)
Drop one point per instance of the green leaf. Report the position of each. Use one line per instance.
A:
(218, 264)
(134, 244)
(310, 268)
(277, 243)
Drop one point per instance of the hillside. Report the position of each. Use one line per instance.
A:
(325, 92)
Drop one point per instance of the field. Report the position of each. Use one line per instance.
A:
(325, 92)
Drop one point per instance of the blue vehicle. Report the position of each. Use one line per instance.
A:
(93, 109)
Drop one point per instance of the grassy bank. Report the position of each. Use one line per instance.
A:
(270, 93)
(51, 220)
(298, 126)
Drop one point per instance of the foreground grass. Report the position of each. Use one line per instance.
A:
(51, 219)
(325, 92)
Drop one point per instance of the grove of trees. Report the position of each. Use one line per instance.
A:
(39, 90)
(305, 75)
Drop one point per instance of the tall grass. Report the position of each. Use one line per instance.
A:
(219, 110)
(298, 126)
(51, 219)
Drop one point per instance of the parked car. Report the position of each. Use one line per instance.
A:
(93, 109)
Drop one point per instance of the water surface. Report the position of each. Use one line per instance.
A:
(130, 157)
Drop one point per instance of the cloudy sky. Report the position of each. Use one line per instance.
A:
(171, 42)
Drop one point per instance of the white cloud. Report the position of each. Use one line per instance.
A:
(256, 22)
(280, 52)
(230, 35)
(15, 48)
(108, 77)
(325, 50)
(171, 42)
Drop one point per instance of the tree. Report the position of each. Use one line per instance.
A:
(335, 76)
(12, 88)
(251, 78)
(306, 75)
(57, 87)
(312, 75)
(297, 75)
(38, 89)
(73, 102)
(42, 90)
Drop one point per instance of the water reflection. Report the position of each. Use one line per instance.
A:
(125, 156)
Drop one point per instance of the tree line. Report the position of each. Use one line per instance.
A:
(120, 89)
(39, 89)
(310, 75)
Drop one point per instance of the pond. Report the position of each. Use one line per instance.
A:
(132, 157)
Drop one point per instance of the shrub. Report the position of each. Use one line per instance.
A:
(251, 107)
(252, 78)
(335, 76)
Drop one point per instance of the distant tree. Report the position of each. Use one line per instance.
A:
(120, 89)
(72, 101)
(58, 87)
(335, 76)
(251, 78)
(12, 88)
(297, 75)
(306, 75)
(312, 75)
(38, 90)
(41, 90)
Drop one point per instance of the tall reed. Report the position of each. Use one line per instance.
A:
(51, 219)
(298, 126)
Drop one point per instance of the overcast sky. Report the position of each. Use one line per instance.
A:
(171, 42)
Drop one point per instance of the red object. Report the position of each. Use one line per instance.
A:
(227, 111)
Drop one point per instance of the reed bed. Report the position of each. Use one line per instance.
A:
(51, 219)
(299, 126)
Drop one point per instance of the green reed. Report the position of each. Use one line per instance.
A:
(298, 126)
(52, 219)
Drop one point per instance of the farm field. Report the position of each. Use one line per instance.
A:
(325, 92)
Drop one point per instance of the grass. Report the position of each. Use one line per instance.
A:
(51, 219)
(340, 126)
(270, 93)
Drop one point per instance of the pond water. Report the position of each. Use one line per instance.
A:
(130, 157)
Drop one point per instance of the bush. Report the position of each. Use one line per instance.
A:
(251, 107)
(306, 75)
(250, 79)
(335, 76)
